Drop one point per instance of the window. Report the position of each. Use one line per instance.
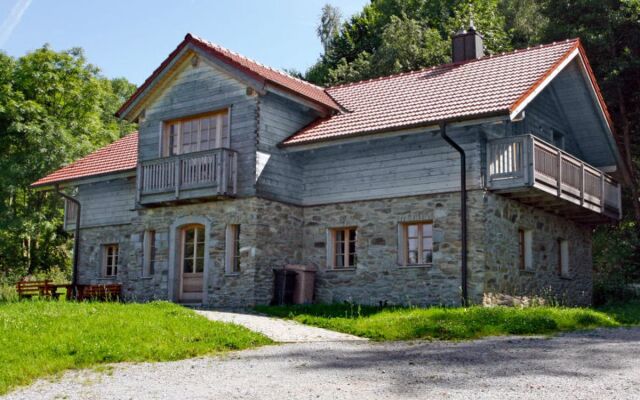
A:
(232, 250)
(149, 253)
(187, 135)
(70, 212)
(563, 258)
(110, 260)
(416, 239)
(193, 249)
(525, 244)
(342, 251)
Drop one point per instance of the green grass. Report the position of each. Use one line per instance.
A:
(40, 338)
(626, 313)
(451, 323)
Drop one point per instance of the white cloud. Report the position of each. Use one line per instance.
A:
(13, 19)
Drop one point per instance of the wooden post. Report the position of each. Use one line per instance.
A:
(582, 184)
(139, 179)
(559, 177)
(176, 183)
(601, 192)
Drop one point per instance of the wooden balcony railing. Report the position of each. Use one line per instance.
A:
(521, 161)
(210, 169)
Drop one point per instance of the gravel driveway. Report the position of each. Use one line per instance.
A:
(602, 364)
(277, 329)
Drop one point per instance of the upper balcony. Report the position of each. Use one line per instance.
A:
(187, 177)
(537, 173)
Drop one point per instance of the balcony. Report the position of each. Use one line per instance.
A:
(188, 177)
(535, 172)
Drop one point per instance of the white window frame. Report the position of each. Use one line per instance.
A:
(563, 258)
(222, 140)
(149, 253)
(232, 249)
(403, 241)
(349, 248)
(110, 261)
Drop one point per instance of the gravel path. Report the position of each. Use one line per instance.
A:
(280, 330)
(602, 364)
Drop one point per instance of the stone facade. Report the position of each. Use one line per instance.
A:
(378, 277)
(274, 234)
(504, 217)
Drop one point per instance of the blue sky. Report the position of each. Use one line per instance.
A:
(131, 38)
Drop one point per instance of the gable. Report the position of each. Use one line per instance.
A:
(260, 77)
(569, 104)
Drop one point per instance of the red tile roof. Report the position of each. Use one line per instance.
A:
(488, 86)
(119, 156)
(253, 68)
(492, 85)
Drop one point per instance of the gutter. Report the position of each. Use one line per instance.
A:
(463, 211)
(76, 240)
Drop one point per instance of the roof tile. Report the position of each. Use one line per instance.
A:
(478, 87)
(119, 156)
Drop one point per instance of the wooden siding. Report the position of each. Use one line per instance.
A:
(203, 88)
(565, 106)
(279, 173)
(106, 203)
(399, 166)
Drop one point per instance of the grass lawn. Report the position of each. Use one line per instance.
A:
(40, 338)
(453, 323)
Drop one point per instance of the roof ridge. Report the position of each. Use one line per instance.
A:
(451, 64)
(224, 49)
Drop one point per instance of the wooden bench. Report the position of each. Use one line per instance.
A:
(100, 292)
(28, 289)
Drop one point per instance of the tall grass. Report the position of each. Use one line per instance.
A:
(442, 323)
(39, 338)
(8, 293)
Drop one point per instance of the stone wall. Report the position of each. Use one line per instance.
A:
(378, 277)
(503, 275)
(274, 234)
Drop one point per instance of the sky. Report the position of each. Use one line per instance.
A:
(131, 38)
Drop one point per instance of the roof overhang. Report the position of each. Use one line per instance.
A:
(399, 131)
(64, 183)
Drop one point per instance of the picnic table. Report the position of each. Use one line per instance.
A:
(45, 288)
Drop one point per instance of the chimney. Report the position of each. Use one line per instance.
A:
(467, 45)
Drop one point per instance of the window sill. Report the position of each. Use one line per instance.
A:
(329, 269)
(527, 272)
(232, 274)
(145, 277)
(566, 278)
(107, 278)
(414, 266)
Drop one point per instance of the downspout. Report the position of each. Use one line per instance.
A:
(76, 240)
(463, 210)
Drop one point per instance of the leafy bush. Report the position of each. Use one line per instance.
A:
(616, 259)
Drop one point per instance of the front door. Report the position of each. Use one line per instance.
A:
(192, 263)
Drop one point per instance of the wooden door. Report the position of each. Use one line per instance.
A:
(192, 263)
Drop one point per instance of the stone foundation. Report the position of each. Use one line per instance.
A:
(273, 234)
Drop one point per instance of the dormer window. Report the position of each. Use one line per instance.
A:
(202, 132)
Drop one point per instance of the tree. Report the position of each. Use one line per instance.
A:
(54, 108)
(367, 43)
(329, 25)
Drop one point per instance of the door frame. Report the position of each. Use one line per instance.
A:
(180, 264)
(175, 273)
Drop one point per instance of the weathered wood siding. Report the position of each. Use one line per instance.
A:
(203, 88)
(279, 173)
(398, 166)
(107, 202)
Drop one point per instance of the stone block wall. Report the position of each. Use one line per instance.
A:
(503, 275)
(378, 277)
(274, 234)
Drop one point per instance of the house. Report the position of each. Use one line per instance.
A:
(238, 169)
